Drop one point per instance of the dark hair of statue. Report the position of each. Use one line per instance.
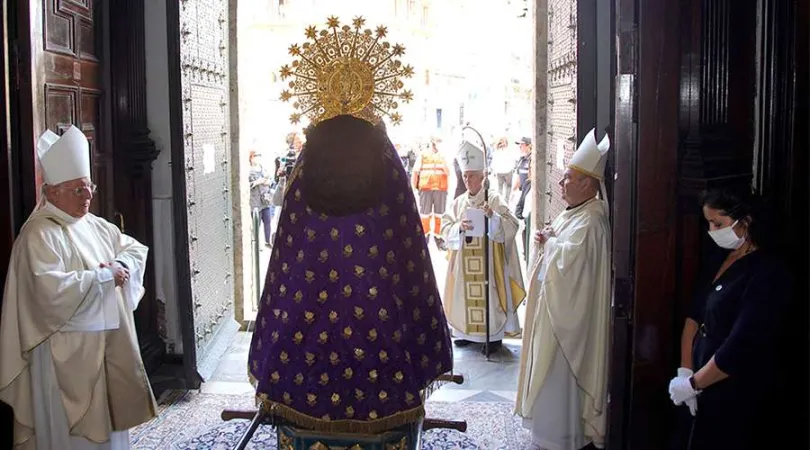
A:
(742, 205)
(343, 163)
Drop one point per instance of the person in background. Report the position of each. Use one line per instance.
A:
(70, 365)
(525, 188)
(260, 194)
(522, 166)
(726, 375)
(502, 166)
(408, 157)
(429, 178)
(464, 294)
(284, 166)
(562, 386)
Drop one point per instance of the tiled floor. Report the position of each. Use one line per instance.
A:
(486, 381)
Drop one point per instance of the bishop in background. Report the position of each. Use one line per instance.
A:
(462, 228)
(563, 379)
(69, 360)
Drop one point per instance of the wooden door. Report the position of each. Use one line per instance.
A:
(6, 220)
(624, 194)
(66, 72)
(64, 86)
(645, 222)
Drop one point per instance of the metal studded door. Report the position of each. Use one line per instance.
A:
(205, 92)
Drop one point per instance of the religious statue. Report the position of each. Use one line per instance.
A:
(350, 333)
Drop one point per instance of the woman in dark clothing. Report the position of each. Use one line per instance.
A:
(728, 372)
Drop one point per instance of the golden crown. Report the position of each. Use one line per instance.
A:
(346, 70)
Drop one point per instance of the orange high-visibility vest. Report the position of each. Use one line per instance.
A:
(432, 172)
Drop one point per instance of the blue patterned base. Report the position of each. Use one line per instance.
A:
(224, 437)
(190, 421)
(402, 438)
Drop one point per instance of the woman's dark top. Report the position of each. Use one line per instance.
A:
(739, 313)
(739, 316)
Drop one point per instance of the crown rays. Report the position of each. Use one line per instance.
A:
(346, 70)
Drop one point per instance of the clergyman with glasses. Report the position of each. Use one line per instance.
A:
(69, 360)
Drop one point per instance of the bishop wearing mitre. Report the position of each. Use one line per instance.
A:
(562, 387)
(465, 300)
(69, 360)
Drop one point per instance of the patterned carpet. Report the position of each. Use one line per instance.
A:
(191, 421)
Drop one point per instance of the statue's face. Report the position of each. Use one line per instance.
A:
(73, 196)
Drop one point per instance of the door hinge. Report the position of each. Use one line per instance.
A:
(623, 299)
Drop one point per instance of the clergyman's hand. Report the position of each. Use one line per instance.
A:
(466, 225)
(541, 236)
(120, 274)
(487, 210)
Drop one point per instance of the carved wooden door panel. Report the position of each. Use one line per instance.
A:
(67, 83)
(206, 130)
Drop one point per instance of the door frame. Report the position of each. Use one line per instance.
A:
(21, 117)
(623, 38)
(7, 175)
(185, 298)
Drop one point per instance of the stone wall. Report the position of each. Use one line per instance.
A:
(561, 98)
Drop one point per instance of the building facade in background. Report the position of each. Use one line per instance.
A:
(562, 99)
(472, 58)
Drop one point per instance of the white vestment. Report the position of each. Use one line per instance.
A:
(69, 359)
(562, 389)
(464, 301)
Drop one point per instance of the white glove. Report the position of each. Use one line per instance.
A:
(682, 372)
(692, 404)
(680, 390)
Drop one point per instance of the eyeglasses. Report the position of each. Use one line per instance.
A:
(79, 191)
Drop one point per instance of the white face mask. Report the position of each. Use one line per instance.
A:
(726, 237)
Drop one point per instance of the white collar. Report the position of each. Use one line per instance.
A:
(65, 217)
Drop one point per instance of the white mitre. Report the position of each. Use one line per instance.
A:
(470, 157)
(590, 158)
(63, 158)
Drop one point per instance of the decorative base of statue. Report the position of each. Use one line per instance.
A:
(407, 437)
(290, 437)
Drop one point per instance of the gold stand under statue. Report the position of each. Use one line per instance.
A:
(293, 438)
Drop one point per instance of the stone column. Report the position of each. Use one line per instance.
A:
(540, 17)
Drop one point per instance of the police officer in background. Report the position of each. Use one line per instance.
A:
(523, 163)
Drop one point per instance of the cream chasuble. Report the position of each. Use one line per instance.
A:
(562, 387)
(464, 300)
(69, 359)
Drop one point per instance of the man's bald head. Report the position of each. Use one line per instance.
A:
(578, 187)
